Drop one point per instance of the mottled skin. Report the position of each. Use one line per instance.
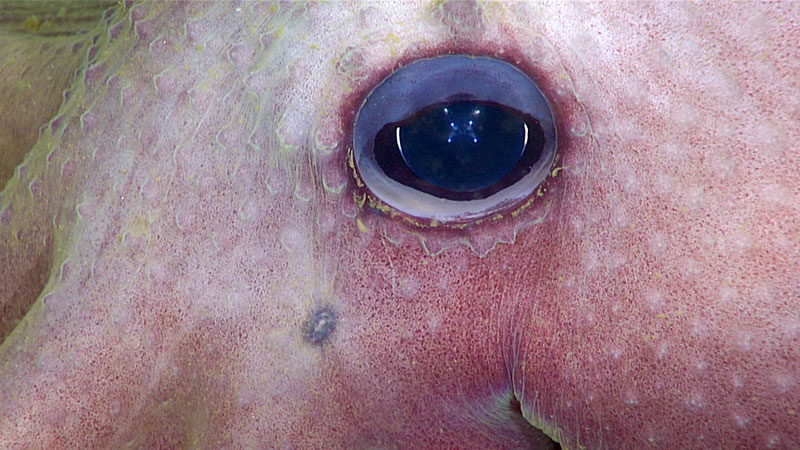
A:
(191, 203)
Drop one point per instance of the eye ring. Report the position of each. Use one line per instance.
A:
(423, 82)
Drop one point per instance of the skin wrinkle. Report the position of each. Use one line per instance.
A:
(179, 203)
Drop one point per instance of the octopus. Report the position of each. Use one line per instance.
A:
(189, 259)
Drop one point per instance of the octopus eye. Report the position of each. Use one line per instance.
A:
(454, 138)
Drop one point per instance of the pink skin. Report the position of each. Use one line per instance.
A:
(191, 203)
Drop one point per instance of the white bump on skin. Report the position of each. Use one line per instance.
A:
(743, 340)
(711, 80)
(738, 240)
(434, 322)
(615, 351)
(657, 243)
(186, 215)
(631, 398)
(156, 273)
(237, 299)
(630, 183)
(579, 128)
(777, 195)
(120, 315)
(673, 152)
(694, 198)
(664, 184)
(655, 300)
(700, 365)
(690, 267)
(728, 294)
(736, 381)
(250, 211)
(722, 163)
(699, 329)
(686, 116)
(772, 440)
(790, 327)
(621, 218)
(695, 401)
(616, 260)
(766, 139)
(409, 286)
(784, 381)
(293, 241)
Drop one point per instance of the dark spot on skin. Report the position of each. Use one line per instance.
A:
(319, 325)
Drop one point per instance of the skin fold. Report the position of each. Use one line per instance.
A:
(183, 210)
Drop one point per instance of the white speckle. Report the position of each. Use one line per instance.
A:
(615, 351)
(655, 300)
(578, 225)
(591, 260)
(736, 381)
(620, 217)
(186, 215)
(293, 241)
(741, 240)
(409, 287)
(434, 322)
(722, 163)
(114, 407)
(762, 295)
(444, 284)
(657, 243)
(772, 440)
(616, 260)
(690, 268)
(579, 128)
(743, 340)
(51, 360)
(766, 140)
(631, 399)
(777, 195)
(727, 294)
(673, 152)
(699, 329)
(783, 381)
(701, 365)
(250, 211)
(694, 197)
(664, 184)
(120, 315)
(696, 401)
(663, 350)
(630, 183)
(720, 83)
(156, 273)
(237, 299)
(790, 327)
(686, 115)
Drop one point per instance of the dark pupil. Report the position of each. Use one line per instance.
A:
(459, 150)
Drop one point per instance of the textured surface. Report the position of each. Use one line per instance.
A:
(190, 205)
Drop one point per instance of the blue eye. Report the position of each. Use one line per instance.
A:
(454, 138)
